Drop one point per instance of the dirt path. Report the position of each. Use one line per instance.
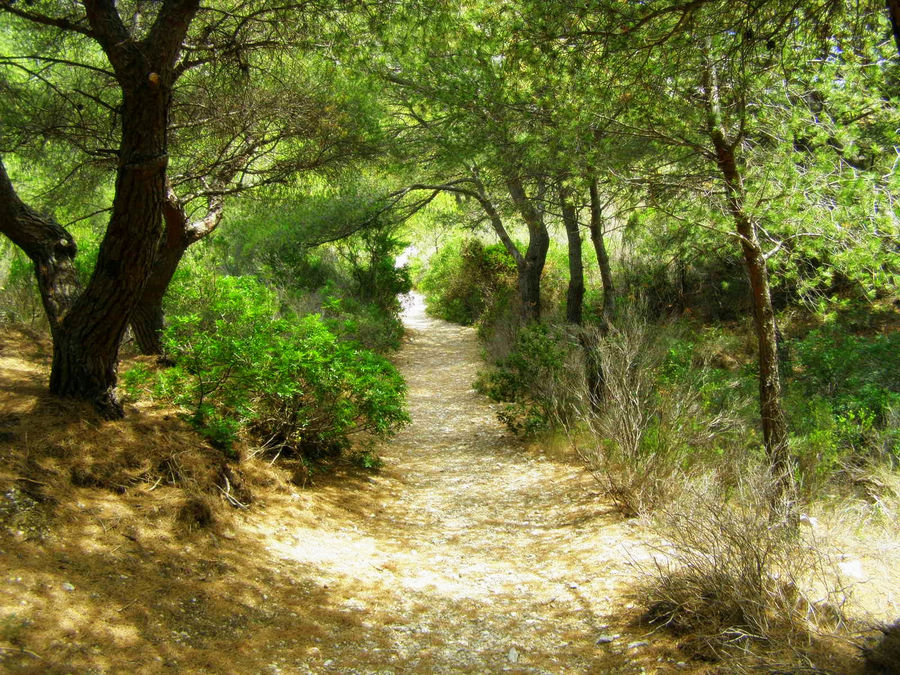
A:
(466, 553)
(469, 554)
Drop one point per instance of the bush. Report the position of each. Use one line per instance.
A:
(842, 402)
(542, 380)
(854, 373)
(20, 301)
(352, 279)
(293, 385)
(466, 279)
(733, 572)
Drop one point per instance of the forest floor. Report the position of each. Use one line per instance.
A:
(468, 552)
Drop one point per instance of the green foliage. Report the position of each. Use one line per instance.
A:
(843, 401)
(20, 301)
(541, 380)
(853, 373)
(136, 381)
(366, 459)
(328, 253)
(465, 279)
(291, 384)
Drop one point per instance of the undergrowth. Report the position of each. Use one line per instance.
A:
(738, 579)
(286, 383)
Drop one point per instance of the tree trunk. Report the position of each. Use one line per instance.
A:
(532, 265)
(893, 7)
(86, 351)
(529, 284)
(147, 319)
(86, 345)
(774, 424)
(575, 293)
(47, 244)
(596, 228)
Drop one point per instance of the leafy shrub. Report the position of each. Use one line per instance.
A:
(854, 373)
(292, 384)
(842, 402)
(541, 380)
(465, 280)
(330, 253)
(20, 301)
(136, 381)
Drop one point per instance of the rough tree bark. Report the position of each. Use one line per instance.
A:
(86, 340)
(532, 264)
(575, 292)
(49, 246)
(147, 318)
(774, 424)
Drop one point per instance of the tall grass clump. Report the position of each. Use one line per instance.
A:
(662, 410)
(738, 579)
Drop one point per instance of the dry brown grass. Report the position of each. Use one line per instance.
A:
(742, 582)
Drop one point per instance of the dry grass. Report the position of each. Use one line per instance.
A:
(643, 442)
(742, 582)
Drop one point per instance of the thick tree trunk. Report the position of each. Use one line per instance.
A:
(774, 424)
(86, 347)
(148, 322)
(606, 278)
(532, 265)
(575, 293)
(86, 351)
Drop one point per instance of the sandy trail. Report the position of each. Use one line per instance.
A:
(467, 553)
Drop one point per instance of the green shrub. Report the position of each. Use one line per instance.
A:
(465, 280)
(541, 380)
(854, 373)
(291, 384)
(841, 402)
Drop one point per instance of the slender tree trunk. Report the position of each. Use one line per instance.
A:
(595, 377)
(49, 246)
(575, 293)
(532, 265)
(147, 319)
(774, 424)
(529, 284)
(606, 278)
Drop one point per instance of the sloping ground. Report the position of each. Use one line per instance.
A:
(466, 553)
